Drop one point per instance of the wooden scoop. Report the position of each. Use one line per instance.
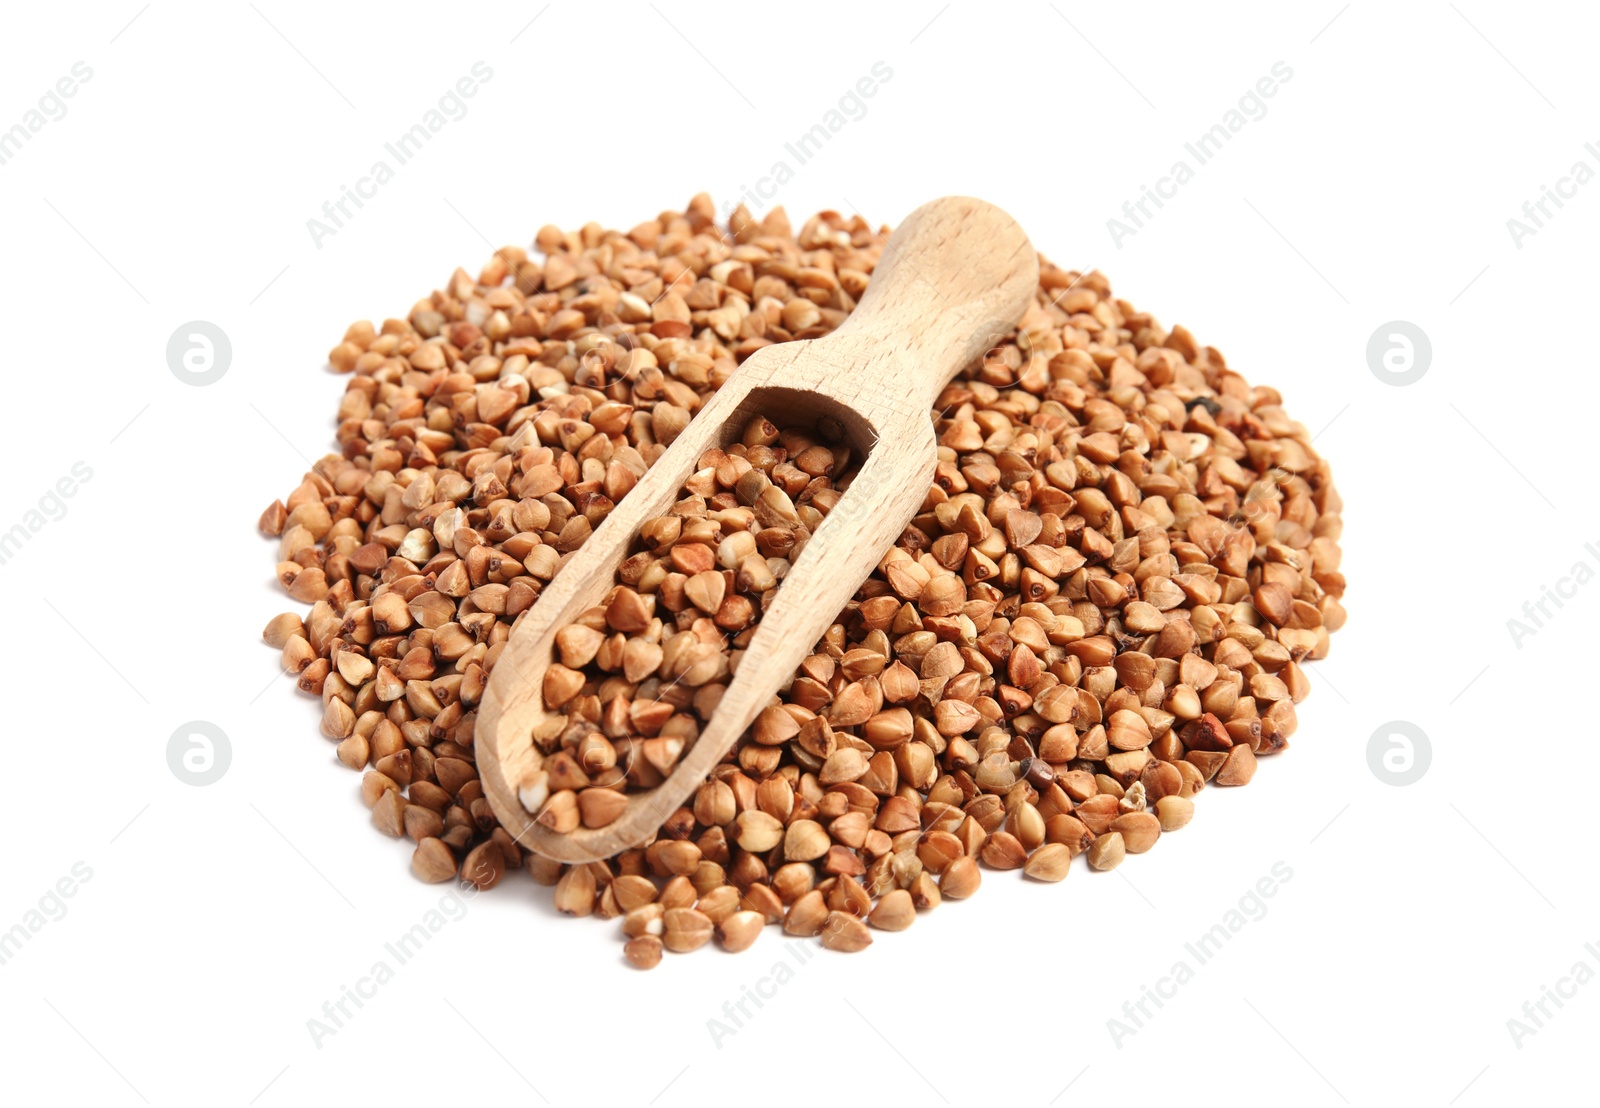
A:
(953, 280)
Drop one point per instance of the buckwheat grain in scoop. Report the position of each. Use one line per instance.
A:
(639, 674)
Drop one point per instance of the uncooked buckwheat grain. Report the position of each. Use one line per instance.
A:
(1106, 602)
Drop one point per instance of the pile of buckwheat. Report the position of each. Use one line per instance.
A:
(1105, 603)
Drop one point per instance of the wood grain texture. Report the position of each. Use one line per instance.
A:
(954, 279)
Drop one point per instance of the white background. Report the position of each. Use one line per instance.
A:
(1418, 919)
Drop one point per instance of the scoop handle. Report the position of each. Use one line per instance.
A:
(953, 280)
